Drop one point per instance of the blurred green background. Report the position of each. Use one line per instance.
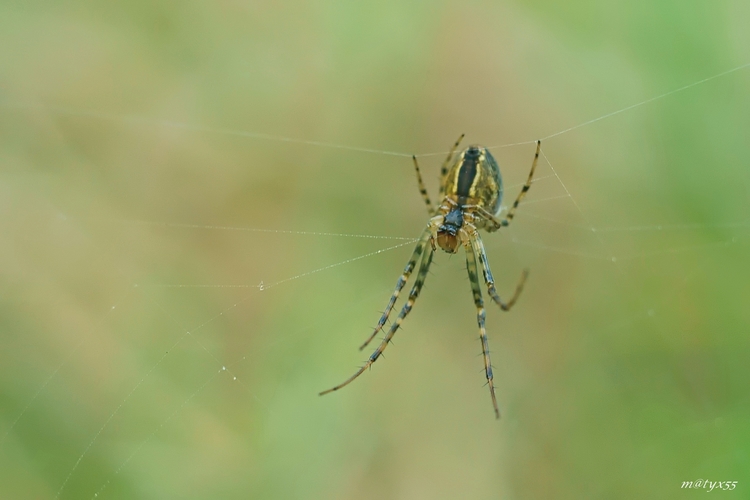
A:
(622, 372)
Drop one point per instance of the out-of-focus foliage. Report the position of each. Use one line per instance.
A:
(621, 373)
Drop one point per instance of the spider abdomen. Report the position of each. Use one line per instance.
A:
(474, 178)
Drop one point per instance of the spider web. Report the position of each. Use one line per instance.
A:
(601, 247)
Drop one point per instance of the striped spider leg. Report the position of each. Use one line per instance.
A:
(493, 223)
(478, 247)
(471, 267)
(443, 173)
(474, 248)
(418, 250)
(426, 251)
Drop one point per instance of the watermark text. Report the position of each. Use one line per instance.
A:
(707, 485)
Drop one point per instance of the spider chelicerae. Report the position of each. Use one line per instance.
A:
(471, 189)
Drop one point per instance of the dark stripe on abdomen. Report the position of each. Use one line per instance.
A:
(467, 172)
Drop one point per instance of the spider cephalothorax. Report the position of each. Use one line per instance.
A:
(447, 234)
(471, 189)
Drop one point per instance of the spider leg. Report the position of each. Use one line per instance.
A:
(413, 294)
(447, 164)
(422, 189)
(471, 267)
(478, 247)
(497, 224)
(400, 284)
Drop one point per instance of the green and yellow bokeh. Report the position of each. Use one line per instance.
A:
(127, 151)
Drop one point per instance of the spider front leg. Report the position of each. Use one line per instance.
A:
(471, 267)
(413, 294)
(418, 250)
(478, 249)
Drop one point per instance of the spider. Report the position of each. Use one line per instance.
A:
(471, 188)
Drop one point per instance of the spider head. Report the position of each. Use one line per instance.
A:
(447, 233)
